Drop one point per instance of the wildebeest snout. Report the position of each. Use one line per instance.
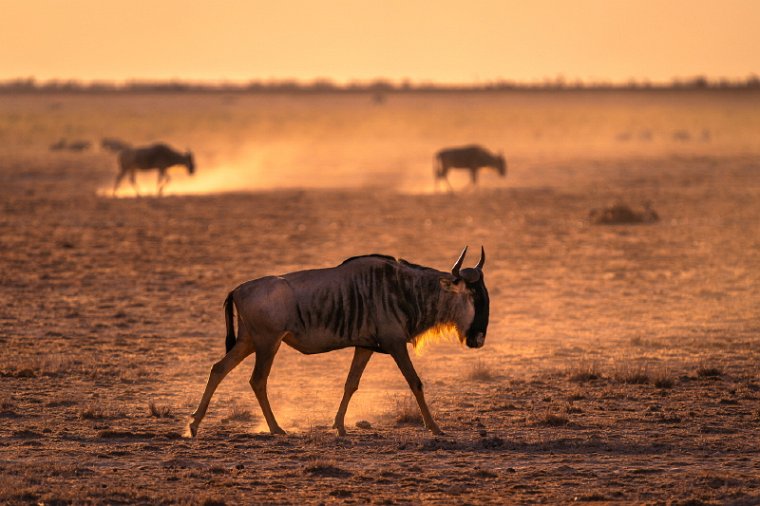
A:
(476, 341)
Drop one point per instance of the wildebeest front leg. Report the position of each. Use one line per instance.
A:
(116, 183)
(474, 176)
(236, 355)
(264, 359)
(401, 356)
(163, 180)
(448, 183)
(361, 357)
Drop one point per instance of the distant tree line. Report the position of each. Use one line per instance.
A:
(378, 86)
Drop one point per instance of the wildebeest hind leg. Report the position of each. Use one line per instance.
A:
(361, 357)
(264, 359)
(242, 349)
(404, 363)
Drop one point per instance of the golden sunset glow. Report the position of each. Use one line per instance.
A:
(345, 40)
(200, 207)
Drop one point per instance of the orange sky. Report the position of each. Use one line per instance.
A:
(363, 39)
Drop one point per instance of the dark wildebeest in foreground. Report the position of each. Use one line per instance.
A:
(156, 156)
(471, 158)
(114, 145)
(372, 303)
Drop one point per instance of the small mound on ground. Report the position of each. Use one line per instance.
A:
(621, 214)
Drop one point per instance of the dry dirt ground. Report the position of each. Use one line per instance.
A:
(621, 362)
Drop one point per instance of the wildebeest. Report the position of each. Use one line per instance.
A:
(373, 303)
(114, 145)
(77, 145)
(155, 156)
(59, 145)
(472, 158)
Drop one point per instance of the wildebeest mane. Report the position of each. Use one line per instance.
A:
(394, 260)
(371, 255)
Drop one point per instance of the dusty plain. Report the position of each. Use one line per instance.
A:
(622, 362)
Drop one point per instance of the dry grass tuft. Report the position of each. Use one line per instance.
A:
(238, 414)
(705, 371)
(406, 411)
(6, 403)
(94, 412)
(585, 372)
(35, 367)
(663, 379)
(159, 411)
(632, 375)
(553, 420)
(213, 501)
(481, 371)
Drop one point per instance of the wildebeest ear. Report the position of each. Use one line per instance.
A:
(451, 285)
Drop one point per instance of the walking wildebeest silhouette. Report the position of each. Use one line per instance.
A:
(373, 303)
(472, 158)
(154, 157)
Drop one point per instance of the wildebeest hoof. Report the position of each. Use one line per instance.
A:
(278, 431)
(190, 431)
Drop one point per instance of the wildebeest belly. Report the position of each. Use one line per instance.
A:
(321, 340)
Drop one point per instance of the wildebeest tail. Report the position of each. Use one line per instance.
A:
(229, 309)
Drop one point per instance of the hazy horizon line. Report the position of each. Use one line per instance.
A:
(32, 84)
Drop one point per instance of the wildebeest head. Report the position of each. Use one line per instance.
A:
(501, 165)
(470, 283)
(190, 163)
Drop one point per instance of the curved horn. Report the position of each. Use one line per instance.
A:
(458, 265)
(482, 259)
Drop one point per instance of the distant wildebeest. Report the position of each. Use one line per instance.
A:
(114, 145)
(59, 145)
(154, 157)
(373, 303)
(471, 158)
(78, 145)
